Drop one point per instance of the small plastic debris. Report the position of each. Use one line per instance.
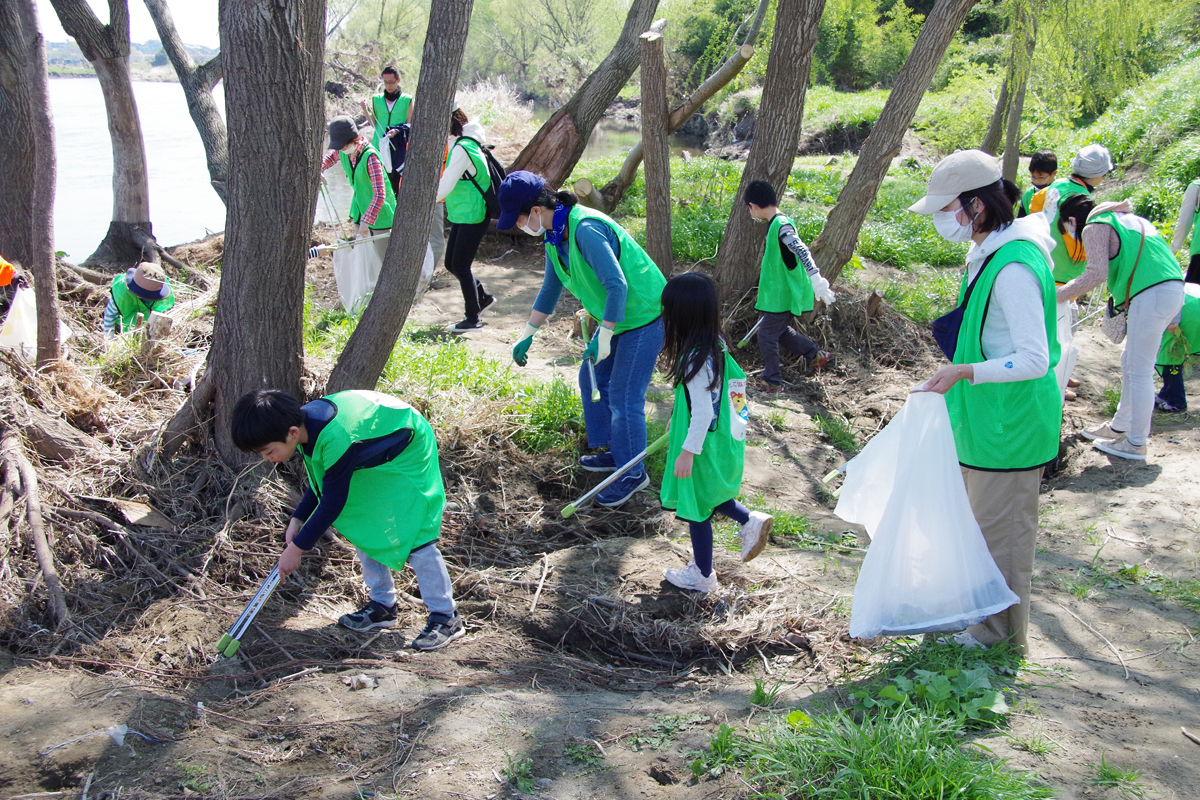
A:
(356, 682)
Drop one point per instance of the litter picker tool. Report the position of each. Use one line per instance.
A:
(322, 249)
(653, 447)
(330, 209)
(232, 639)
(746, 339)
(591, 365)
(833, 473)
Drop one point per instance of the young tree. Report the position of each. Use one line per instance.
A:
(130, 236)
(366, 353)
(28, 165)
(273, 57)
(658, 151)
(834, 247)
(197, 83)
(557, 146)
(776, 137)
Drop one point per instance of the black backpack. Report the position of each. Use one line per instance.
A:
(495, 171)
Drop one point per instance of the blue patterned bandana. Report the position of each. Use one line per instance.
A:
(555, 236)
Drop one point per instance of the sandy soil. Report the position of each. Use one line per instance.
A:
(543, 674)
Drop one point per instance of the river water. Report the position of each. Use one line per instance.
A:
(183, 205)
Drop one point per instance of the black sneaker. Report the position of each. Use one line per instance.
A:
(601, 462)
(467, 324)
(486, 301)
(440, 631)
(371, 616)
(623, 488)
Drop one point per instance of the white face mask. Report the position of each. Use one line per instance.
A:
(534, 231)
(1070, 226)
(947, 224)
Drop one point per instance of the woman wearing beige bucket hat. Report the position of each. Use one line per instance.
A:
(1000, 387)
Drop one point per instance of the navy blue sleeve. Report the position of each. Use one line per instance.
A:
(547, 298)
(306, 506)
(335, 485)
(598, 244)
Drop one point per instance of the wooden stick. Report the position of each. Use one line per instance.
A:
(1191, 736)
(1098, 634)
(541, 583)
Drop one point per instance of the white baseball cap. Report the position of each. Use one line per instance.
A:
(957, 173)
(1092, 161)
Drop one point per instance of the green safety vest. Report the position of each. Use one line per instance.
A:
(1066, 268)
(779, 288)
(360, 182)
(392, 508)
(1195, 248)
(1155, 265)
(1189, 325)
(1005, 426)
(465, 204)
(717, 470)
(645, 281)
(129, 305)
(385, 119)
(1027, 197)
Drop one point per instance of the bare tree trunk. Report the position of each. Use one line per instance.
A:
(366, 353)
(615, 189)
(834, 247)
(776, 137)
(1025, 29)
(106, 47)
(273, 58)
(991, 139)
(557, 146)
(658, 152)
(197, 83)
(28, 165)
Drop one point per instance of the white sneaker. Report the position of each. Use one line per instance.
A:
(1121, 448)
(754, 534)
(963, 639)
(1104, 431)
(690, 578)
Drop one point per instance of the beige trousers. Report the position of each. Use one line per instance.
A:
(1005, 505)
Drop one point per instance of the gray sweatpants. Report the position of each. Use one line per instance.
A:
(437, 592)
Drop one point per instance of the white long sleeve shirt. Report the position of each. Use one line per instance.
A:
(1187, 214)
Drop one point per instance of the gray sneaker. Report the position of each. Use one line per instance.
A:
(440, 631)
(371, 616)
(1121, 448)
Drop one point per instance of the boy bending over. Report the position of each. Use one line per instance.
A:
(373, 473)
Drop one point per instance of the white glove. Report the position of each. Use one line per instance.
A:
(603, 343)
(821, 289)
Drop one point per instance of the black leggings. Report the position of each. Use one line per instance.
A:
(461, 248)
(1193, 272)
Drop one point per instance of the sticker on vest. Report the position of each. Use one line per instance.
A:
(1008, 365)
(739, 408)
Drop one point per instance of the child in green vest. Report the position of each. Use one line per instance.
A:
(783, 290)
(141, 290)
(1180, 341)
(1043, 167)
(707, 430)
(373, 474)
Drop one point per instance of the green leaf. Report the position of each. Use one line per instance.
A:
(798, 719)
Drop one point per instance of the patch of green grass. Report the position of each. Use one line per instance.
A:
(1112, 398)
(930, 294)
(904, 656)
(518, 771)
(1125, 781)
(838, 431)
(764, 695)
(775, 419)
(552, 416)
(586, 753)
(1035, 744)
(907, 756)
(1184, 592)
(196, 778)
(663, 731)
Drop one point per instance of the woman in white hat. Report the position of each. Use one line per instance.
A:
(1000, 388)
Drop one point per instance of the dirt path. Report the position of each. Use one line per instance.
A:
(542, 675)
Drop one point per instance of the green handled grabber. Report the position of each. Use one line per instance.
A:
(653, 447)
(232, 639)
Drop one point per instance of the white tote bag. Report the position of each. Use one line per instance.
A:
(356, 270)
(928, 567)
(19, 331)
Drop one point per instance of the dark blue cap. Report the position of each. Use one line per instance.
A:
(517, 191)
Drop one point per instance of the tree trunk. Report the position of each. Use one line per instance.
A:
(615, 189)
(557, 146)
(197, 83)
(991, 139)
(366, 353)
(776, 137)
(272, 190)
(28, 165)
(1025, 30)
(658, 152)
(106, 47)
(834, 247)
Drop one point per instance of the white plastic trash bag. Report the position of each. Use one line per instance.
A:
(356, 270)
(19, 331)
(426, 272)
(928, 567)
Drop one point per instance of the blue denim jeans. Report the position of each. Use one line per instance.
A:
(618, 420)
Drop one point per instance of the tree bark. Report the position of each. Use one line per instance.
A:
(1025, 31)
(658, 152)
(615, 189)
(995, 129)
(776, 137)
(197, 83)
(555, 149)
(834, 247)
(366, 353)
(106, 47)
(272, 189)
(27, 162)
